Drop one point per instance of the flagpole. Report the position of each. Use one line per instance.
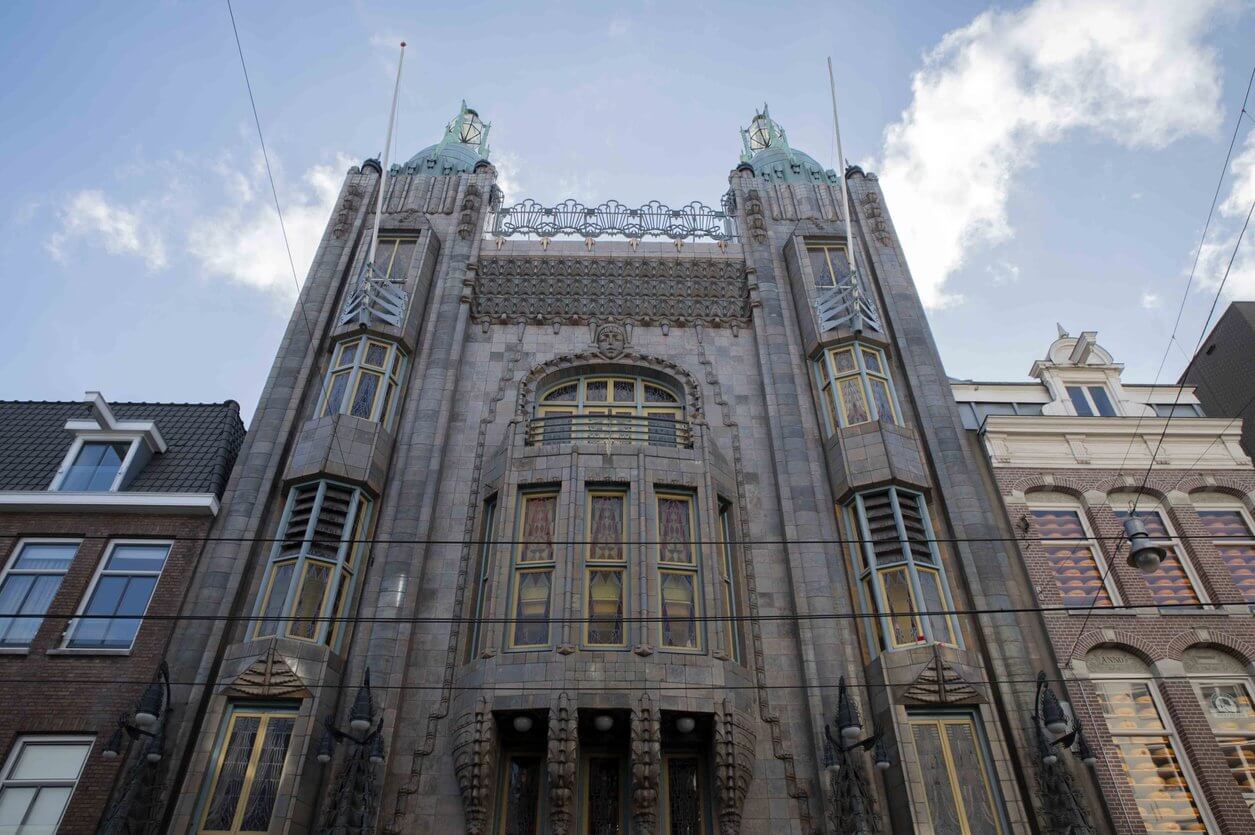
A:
(383, 177)
(845, 196)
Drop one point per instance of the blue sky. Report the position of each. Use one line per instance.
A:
(1046, 162)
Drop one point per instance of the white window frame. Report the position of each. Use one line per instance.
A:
(98, 437)
(1222, 501)
(1100, 559)
(1150, 503)
(12, 560)
(1169, 730)
(68, 635)
(15, 753)
(1085, 386)
(1198, 681)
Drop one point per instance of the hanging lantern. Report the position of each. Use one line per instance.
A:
(156, 747)
(685, 724)
(522, 723)
(1085, 752)
(603, 722)
(1144, 555)
(882, 754)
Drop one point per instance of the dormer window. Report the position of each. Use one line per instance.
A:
(1091, 400)
(106, 453)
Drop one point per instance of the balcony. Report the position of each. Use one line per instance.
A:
(615, 429)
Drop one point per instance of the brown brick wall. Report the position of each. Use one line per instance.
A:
(38, 690)
(1155, 636)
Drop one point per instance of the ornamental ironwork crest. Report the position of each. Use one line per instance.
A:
(654, 219)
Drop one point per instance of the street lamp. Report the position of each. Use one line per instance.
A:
(1049, 718)
(148, 721)
(360, 734)
(847, 715)
(1144, 555)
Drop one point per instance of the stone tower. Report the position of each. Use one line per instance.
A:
(607, 500)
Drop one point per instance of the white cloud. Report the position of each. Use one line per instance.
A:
(89, 216)
(1150, 299)
(507, 165)
(1004, 272)
(242, 241)
(995, 91)
(1214, 258)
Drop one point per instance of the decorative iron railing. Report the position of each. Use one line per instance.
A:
(374, 297)
(621, 429)
(846, 305)
(612, 218)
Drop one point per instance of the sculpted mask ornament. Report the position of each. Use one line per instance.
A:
(611, 340)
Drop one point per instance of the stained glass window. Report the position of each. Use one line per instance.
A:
(675, 534)
(533, 569)
(1073, 557)
(372, 371)
(957, 782)
(38, 781)
(31, 581)
(679, 609)
(1147, 751)
(1171, 584)
(603, 796)
(894, 551)
(621, 409)
(830, 263)
(677, 551)
(313, 568)
(245, 781)
(1234, 540)
(605, 567)
(607, 511)
(393, 255)
(522, 778)
(684, 795)
(855, 386)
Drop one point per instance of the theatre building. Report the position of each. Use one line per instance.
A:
(1156, 665)
(611, 518)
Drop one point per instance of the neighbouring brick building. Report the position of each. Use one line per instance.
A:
(1223, 371)
(103, 513)
(1157, 666)
(609, 502)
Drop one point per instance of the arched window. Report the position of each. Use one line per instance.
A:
(855, 386)
(615, 407)
(1232, 531)
(1224, 689)
(1073, 554)
(1145, 742)
(899, 570)
(1175, 583)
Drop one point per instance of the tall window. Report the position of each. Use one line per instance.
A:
(30, 582)
(1229, 711)
(119, 596)
(604, 797)
(830, 263)
(684, 795)
(855, 386)
(1234, 537)
(485, 570)
(534, 561)
(393, 255)
(605, 565)
(521, 782)
(899, 569)
(313, 567)
(246, 774)
(961, 793)
(620, 408)
(729, 583)
(1077, 563)
(1091, 400)
(678, 571)
(38, 781)
(1175, 583)
(364, 379)
(1147, 746)
(97, 466)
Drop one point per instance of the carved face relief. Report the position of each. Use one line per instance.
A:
(611, 340)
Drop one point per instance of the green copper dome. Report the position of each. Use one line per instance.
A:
(767, 151)
(465, 145)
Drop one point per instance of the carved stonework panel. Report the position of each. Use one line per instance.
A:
(940, 684)
(470, 209)
(474, 754)
(754, 216)
(646, 763)
(562, 765)
(269, 677)
(611, 339)
(348, 207)
(576, 290)
(734, 766)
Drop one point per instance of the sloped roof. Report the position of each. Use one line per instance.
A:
(202, 440)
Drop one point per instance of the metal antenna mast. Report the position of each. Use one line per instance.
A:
(383, 177)
(856, 289)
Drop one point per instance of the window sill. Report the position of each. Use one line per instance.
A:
(15, 650)
(88, 651)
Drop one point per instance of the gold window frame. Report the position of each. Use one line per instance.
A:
(827, 248)
(703, 793)
(836, 407)
(952, 771)
(250, 772)
(625, 788)
(593, 564)
(690, 569)
(521, 567)
(503, 789)
(390, 243)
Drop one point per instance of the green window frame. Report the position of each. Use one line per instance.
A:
(312, 575)
(900, 573)
(856, 386)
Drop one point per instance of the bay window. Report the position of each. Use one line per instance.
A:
(247, 768)
(899, 570)
(855, 386)
(534, 562)
(678, 571)
(314, 564)
(364, 379)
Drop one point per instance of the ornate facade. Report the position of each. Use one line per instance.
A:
(622, 510)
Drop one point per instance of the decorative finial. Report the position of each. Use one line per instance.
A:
(1062, 333)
